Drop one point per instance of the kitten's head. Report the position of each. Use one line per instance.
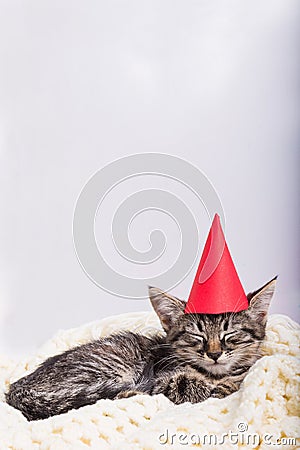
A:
(215, 343)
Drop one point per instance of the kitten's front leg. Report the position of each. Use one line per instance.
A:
(127, 394)
(227, 386)
(185, 386)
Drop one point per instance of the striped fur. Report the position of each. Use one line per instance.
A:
(200, 356)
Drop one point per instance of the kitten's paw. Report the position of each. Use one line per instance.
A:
(127, 394)
(186, 388)
(224, 389)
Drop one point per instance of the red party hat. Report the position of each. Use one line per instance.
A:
(217, 287)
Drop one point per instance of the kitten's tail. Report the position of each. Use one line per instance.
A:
(20, 398)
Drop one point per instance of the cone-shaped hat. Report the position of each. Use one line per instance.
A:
(217, 288)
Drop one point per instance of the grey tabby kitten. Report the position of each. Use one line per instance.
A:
(199, 356)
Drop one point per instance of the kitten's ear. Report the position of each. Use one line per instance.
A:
(168, 308)
(259, 301)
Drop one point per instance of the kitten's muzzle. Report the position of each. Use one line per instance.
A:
(214, 355)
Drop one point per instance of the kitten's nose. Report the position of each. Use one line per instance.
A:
(214, 355)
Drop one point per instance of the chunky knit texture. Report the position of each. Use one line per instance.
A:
(267, 402)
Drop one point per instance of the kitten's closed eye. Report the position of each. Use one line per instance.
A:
(198, 337)
(225, 337)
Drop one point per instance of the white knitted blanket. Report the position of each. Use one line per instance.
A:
(263, 414)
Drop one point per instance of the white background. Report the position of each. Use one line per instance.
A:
(84, 83)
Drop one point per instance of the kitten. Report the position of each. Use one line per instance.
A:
(199, 356)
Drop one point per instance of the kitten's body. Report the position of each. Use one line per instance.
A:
(200, 356)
